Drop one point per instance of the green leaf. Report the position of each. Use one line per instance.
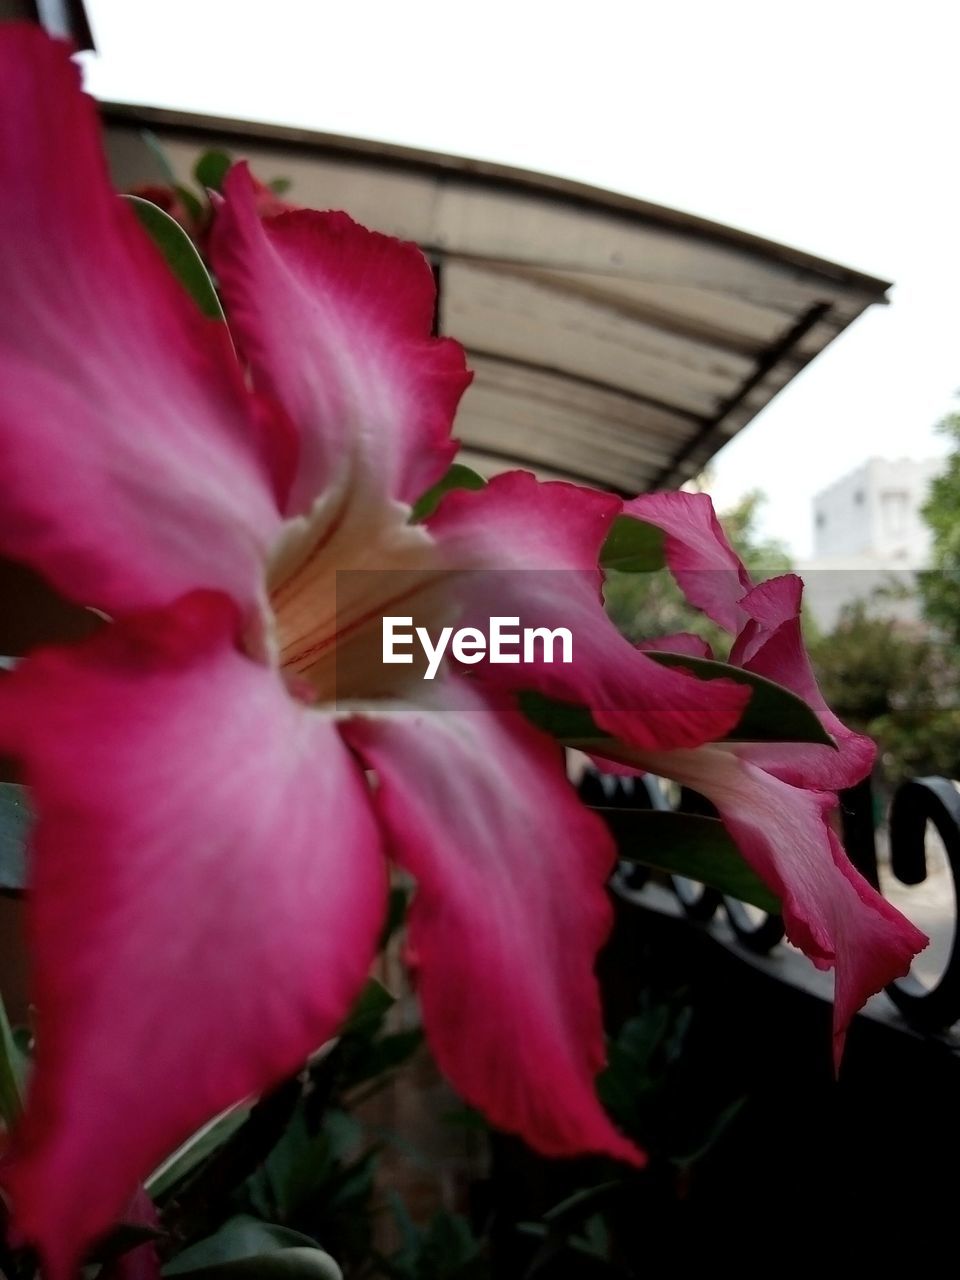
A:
(565, 720)
(249, 1249)
(180, 253)
(369, 1010)
(576, 1206)
(15, 819)
(458, 477)
(773, 714)
(687, 844)
(193, 206)
(633, 546)
(120, 1240)
(279, 186)
(446, 1249)
(211, 169)
(713, 1135)
(196, 1149)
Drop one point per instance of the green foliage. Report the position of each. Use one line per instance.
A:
(644, 1091)
(898, 683)
(645, 607)
(245, 1247)
(773, 713)
(181, 255)
(941, 589)
(197, 1149)
(319, 1176)
(633, 546)
(446, 1249)
(458, 477)
(211, 169)
(691, 845)
(295, 1171)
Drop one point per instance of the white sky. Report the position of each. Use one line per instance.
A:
(829, 126)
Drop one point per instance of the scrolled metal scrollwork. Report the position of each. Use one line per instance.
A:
(615, 791)
(916, 805)
(699, 901)
(759, 933)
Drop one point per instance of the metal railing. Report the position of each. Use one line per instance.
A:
(915, 807)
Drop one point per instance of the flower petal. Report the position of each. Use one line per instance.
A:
(540, 545)
(509, 914)
(344, 344)
(130, 445)
(708, 570)
(767, 622)
(208, 887)
(680, 642)
(771, 644)
(783, 832)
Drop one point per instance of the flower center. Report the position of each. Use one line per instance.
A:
(332, 577)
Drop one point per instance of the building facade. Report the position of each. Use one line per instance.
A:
(870, 537)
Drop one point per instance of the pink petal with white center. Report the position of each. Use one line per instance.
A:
(508, 917)
(708, 570)
(539, 546)
(131, 449)
(771, 644)
(344, 345)
(208, 887)
(783, 832)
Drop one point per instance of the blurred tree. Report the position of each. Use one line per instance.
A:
(940, 588)
(898, 683)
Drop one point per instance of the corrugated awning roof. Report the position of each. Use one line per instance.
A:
(614, 342)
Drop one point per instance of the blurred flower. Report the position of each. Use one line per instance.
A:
(778, 800)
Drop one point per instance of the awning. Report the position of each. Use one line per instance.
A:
(614, 342)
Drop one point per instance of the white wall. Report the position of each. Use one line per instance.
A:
(875, 512)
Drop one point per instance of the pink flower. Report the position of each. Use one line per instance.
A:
(210, 858)
(209, 863)
(777, 800)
